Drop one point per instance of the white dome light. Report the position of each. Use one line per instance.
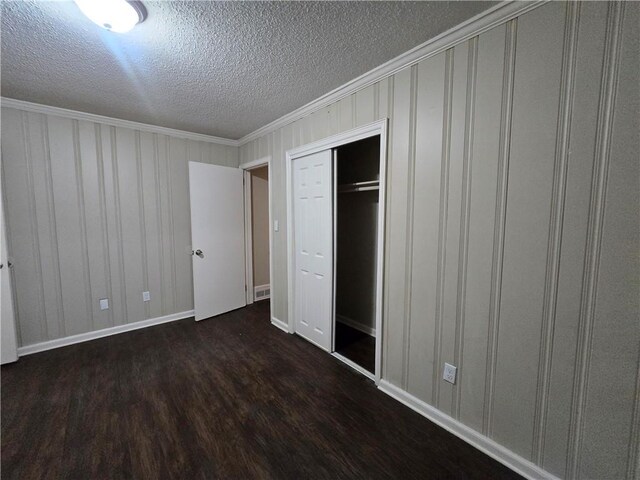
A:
(114, 15)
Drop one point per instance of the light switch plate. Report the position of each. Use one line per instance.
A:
(276, 225)
(449, 374)
(146, 296)
(104, 304)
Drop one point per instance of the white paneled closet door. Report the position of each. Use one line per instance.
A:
(313, 246)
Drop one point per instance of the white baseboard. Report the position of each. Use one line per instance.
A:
(357, 325)
(105, 332)
(355, 366)
(496, 451)
(261, 292)
(280, 324)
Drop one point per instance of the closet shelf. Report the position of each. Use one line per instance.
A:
(359, 186)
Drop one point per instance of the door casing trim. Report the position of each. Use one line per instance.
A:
(366, 131)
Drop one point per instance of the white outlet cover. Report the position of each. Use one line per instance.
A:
(146, 296)
(104, 304)
(449, 374)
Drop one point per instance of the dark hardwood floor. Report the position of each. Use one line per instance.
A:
(356, 346)
(229, 397)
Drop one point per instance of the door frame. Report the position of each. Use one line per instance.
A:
(366, 131)
(248, 231)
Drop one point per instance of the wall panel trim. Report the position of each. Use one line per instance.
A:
(500, 221)
(158, 200)
(53, 229)
(105, 332)
(143, 220)
(465, 217)
(104, 221)
(118, 221)
(33, 224)
(594, 234)
(172, 252)
(496, 451)
(633, 468)
(484, 21)
(556, 221)
(82, 220)
(408, 261)
(442, 223)
(7, 102)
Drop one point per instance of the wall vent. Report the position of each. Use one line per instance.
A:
(261, 292)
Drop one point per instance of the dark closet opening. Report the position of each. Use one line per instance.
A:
(357, 167)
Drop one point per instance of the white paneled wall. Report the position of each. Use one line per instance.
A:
(512, 232)
(97, 211)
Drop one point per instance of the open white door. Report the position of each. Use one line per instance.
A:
(217, 237)
(9, 345)
(313, 246)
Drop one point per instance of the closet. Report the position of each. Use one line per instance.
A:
(356, 203)
(336, 246)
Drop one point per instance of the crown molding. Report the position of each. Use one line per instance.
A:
(497, 15)
(116, 122)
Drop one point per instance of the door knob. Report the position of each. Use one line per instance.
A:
(198, 253)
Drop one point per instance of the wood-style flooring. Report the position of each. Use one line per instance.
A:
(356, 346)
(229, 397)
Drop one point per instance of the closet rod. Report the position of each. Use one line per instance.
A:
(358, 189)
(359, 186)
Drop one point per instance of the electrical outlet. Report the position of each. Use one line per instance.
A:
(104, 304)
(449, 374)
(146, 296)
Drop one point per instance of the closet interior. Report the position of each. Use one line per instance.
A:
(356, 203)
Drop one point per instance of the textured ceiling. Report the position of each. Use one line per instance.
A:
(219, 68)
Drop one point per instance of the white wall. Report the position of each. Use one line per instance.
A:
(96, 211)
(260, 225)
(512, 231)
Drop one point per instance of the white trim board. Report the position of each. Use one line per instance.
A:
(115, 122)
(355, 366)
(497, 15)
(280, 324)
(247, 188)
(486, 445)
(361, 327)
(105, 332)
(260, 162)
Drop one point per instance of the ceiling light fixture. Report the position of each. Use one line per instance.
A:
(113, 15)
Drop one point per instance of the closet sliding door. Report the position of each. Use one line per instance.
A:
(313, 247)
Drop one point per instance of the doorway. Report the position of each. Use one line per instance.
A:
(257, 200)
(259, 190)
(224, 244)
